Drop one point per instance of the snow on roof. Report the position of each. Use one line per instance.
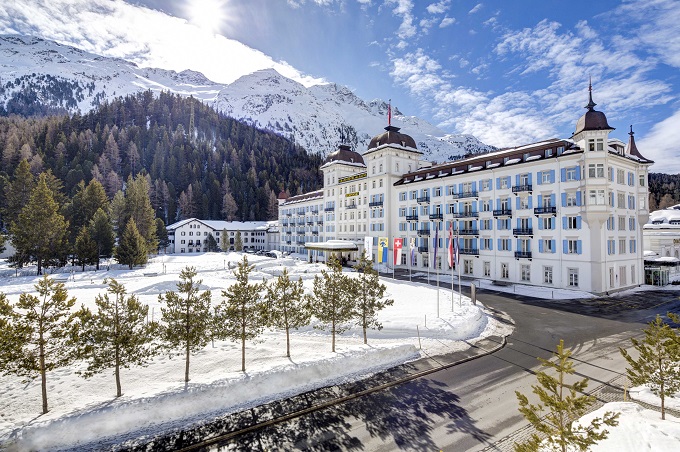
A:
(513, 161)
(665, 217)
(218, 225)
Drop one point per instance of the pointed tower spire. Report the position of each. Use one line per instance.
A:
(591, 104)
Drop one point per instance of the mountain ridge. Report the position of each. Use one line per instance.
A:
(39, 76)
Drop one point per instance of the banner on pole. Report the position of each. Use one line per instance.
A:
(412, 246)
(397, 250)
(368, 247)
(383, 245)
(450, 254)
(435, 245)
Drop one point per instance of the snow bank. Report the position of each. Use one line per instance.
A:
(222, 396)
(644, 394)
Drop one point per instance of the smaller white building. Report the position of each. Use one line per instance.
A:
(662, 233)
(192, 235)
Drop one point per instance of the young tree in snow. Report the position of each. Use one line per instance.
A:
(40, 327)
(211, 243)
(162, 235)
(369, 294)
(131, 250)
(241, 315)
(287, 306)
(85, 248)
(560, 407)
(657, 362)
(186, 317)
(224, 241)
(238, 242)
(117, 335)
(331, 301)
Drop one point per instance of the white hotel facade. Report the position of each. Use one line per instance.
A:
(564, 213)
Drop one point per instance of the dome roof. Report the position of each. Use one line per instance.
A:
(592, 119)
(345, 154)
(392, 136)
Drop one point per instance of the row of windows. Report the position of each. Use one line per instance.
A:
(217, 233)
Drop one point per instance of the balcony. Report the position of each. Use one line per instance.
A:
(521, 188)
(545, 210)
(411, 217)
(284, 223)
(300, 242)
(288, 242)
(423, 199)
(523, 231)
(467, 214)
(468, 232)
(314, 211)
(329, 209)
(469, 251)
(422, 232)
(502, 213)
(351, 206)
(310, 222)
(289, 214)
(465, 194)
(315, 232)
(301, 231)
(375, 204)
(319, 221)
(522, 254)
(423, 249)
(436, 216)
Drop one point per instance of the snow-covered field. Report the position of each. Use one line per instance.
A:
(155, 398)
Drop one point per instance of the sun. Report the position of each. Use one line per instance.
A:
(209, 15)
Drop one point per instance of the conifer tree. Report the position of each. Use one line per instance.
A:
(331, 301)
(369, 294)
(40, 327)
(658, 358)
(241, 315)
(211, 243)
(162, 235)
(39, 233)
(2, 243)
(102, 233)
(85, 248)
(238, 242)
(18, 192)
(138, 207)
(131, 249)
(186, 317)
(224, 241)
(287, 306)
(560, 407)
(116, 335)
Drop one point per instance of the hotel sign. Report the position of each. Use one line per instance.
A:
(342, 180)
(349, 195)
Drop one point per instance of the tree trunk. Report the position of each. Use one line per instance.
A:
(118, 390)
(43, 374)
(243, 353)
(364, 325)
(40, 273)
(288, 342)
(333, 334)
(186, 367)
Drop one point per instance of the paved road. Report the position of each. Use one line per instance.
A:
(467, 407)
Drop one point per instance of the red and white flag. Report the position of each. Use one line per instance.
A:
(397, 250)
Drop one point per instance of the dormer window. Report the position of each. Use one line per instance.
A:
(549, 152)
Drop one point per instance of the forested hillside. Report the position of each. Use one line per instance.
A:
(664, 190)
(198, 162)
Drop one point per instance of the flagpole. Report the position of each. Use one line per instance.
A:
(460, 292)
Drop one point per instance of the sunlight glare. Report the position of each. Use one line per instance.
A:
(208, 15)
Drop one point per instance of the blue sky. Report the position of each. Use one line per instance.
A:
(509, 73)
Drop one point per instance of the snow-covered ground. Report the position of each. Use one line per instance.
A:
(155, 398)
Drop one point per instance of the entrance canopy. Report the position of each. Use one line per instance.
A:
(332, 245)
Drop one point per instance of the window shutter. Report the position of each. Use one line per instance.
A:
(578, 247)
(529, 178)
(578, 172)
(552, 176)
(540, 246)
(530, 203)
(498, 183)
(540, 224)
(578, 222)
(516, 179)
(553, 246)
(474, 244)
(565, 247)
(499, 244)
(474, 185)
(517, 203)
(578, 198)
(539, 178)
(564, 200)
(563, 174)
(552, 200)
(564, 222)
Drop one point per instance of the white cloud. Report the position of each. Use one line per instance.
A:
(447, 21)
(144, 36)
(662, 144)
(440, 7)
(476, 8)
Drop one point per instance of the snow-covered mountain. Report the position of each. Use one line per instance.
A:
(37, 73)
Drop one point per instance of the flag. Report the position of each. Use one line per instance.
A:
(383, 245)
(412, 245)
(368, 247)
(389, 113)
(456, 251)
(450, 256)
(435, 245)
(397, 251)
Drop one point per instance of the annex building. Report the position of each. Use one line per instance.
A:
(564, 213)
(191, 235)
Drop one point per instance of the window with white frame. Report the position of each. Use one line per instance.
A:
(467, 266)
(505, 270)
(524, 202)
(547, 275)
(571, 173)
(622, 246)
(486, 184)
(572, 246)
(525, 272)
(504, 182)
(621, 200)
(486, 205)
(571, 199)
(487, 268)
(622, 223)
(437, 191)
(596, 198)
(596, 170)
(572, 277)
(547, 245)
(620, 176)
(486, 243)
(572, 222)
(545, 177)
(504, 245)
(547, 222)
(402, 196)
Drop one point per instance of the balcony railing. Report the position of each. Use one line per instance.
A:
(329, 209)
(288, 242)
(545, 210)
(424, 231)
(522, 254)
(315, 232)
(523, 231)
(411, 217)
(502, 213)
(423, 249)
(521, 188)
(423, 199)
(469, 251)
(351, 206)
(375, 204)
(319, 221)
(468, 232)
(300, 242)
(466, 214)
(436, 216)
(465, 194)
